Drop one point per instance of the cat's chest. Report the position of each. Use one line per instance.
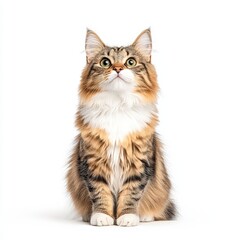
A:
(118, 121)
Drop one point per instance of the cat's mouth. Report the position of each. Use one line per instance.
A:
(122, 81)
(118, 77)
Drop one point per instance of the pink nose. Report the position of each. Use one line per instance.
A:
(118, 68)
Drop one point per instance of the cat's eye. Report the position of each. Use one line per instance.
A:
(105, 63)
(131, 62)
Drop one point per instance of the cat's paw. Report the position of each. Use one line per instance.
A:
(146, 219)
(101, 219)
(128, 220)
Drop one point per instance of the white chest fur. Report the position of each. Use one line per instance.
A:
(119, 115)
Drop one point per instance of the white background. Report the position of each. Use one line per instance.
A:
(197, 57)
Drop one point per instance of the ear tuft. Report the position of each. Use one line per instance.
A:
(93, 45)
(143, 44)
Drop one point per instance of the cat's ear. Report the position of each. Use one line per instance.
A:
(143, 44)
(93, 45)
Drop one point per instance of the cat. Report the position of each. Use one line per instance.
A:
(116, 173)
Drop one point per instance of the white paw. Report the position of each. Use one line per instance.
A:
(101, 219)
(146, 219)
(128, 220)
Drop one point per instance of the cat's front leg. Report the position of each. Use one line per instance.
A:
(100, 195)
(128, 199)
(103, 204)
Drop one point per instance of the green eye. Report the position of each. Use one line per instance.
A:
(105, 63)
(131, 62)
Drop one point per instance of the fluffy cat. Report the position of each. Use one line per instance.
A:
(116, 172)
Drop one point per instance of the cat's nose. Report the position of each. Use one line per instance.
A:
(118, 68)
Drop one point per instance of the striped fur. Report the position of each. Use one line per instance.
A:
(117, 171)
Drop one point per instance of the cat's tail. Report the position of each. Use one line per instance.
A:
(170, 211)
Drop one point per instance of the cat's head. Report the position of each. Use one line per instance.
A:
(119, 70)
